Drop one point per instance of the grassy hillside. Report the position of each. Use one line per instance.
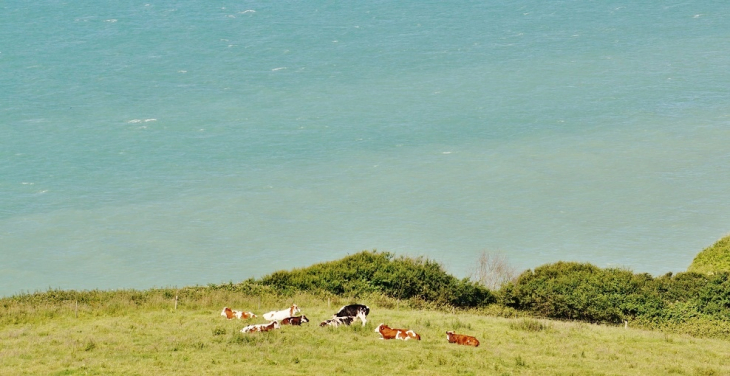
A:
(689, 303)
(714, 258)
(141, 333)
(180, 331)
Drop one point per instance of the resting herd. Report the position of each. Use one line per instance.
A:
(345, 316)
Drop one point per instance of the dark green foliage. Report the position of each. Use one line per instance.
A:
(381, 272)
(680, 287)
(568, 290)
(714, 297)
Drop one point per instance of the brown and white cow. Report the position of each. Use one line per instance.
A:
(387, 332)
(299, 320)
(337, 321)
(231, 313)
(462, 339)
(281, 315)
(261, 327)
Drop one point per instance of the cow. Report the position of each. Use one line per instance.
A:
(354, 310)
(461, 339)
(337, 321)
(387, 332)
(261, 327)
(281, 315)
(231, 313)
(299, 320)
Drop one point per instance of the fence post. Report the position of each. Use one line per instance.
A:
(176, 302)
(76, 310)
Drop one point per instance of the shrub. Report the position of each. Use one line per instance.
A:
(714, 296)
(381, 272)
(575, 291)
(569, 290)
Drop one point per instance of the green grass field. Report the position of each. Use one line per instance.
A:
(124, 337)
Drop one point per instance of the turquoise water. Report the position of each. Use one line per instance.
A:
(154, 144)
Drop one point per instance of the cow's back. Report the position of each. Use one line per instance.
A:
(353, 310)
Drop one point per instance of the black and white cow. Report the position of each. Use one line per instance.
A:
(337, 321)
(360, 311)
(298, 320)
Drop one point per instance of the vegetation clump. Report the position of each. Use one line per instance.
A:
(689, 302)
(529, 325)
(580, 291)
(381, 272)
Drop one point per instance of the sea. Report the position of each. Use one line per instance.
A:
(162, 143)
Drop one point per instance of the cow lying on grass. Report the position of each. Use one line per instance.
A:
(261, 327)
(294, 320)
(231, 313)
(387, 332)
(281, 315)
(337, 321)
(462, 339)
(359, 311)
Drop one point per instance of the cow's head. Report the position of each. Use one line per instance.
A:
(227, 313)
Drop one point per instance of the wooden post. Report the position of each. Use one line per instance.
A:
(76, 311)
(176, 302)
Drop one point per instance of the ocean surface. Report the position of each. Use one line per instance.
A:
(174, 143)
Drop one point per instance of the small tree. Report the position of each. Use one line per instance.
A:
(494, 270)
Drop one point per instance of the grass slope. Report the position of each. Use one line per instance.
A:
(713, 259)
(124, 337)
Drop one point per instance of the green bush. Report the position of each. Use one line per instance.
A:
(381, 272)
(575, 291)
(569, 290)
(714, 297)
